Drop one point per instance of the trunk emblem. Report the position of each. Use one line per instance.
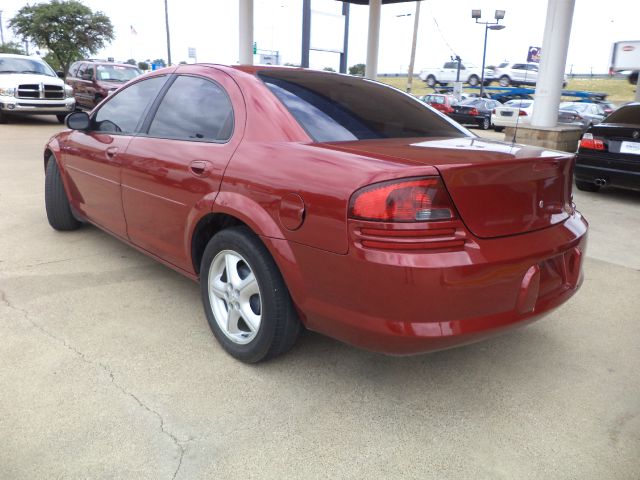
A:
(636, 134)
(541, 204)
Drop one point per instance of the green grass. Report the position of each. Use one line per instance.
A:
(619, 90)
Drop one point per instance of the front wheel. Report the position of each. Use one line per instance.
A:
(55, 199)
(498, 129)
(246, 301)
(61, 117)
(485, 124)
(504, 81)
(473, 81)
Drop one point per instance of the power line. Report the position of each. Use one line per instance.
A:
(439, 30)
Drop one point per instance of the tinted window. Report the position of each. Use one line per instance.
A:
(124, 110)
(518, 66)
(25, 65)
(73, 70)
(503, 64)
(629, 114)
(86, 68)
(116, 73)
(334, 108)
(194, 108)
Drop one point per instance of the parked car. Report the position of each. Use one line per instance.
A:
(607, 107)
(475, 111)
(442, 103)
(449, 71)
(28, 85)
(512, 113)
(581, 114)
(300, 197)
(516, 74)
(92, 80)
(609, 153)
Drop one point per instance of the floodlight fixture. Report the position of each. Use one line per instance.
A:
(476, 14)
(499, 14)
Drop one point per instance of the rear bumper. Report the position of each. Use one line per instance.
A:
(40, 107)
(407, 303)
(467, 119)
(616, 172)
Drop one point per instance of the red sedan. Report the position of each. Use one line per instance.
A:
(300, 198)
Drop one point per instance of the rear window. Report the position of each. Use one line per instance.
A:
(334, 108)
(628, 114)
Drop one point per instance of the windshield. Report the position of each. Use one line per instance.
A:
(629, 115)
(116, 73)
(333, 108)
(25, 65)
(577, 107)
(519, 103)
(471, 101)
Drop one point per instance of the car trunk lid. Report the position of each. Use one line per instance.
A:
(497, 188)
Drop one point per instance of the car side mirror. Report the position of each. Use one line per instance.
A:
(60, 74)
(78, 121)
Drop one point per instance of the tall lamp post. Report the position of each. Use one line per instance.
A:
(477, 14)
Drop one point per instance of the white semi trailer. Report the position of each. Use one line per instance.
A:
(626, 56)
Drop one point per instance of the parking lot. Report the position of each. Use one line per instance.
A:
(109, 370)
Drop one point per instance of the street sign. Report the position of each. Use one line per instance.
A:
(192, 52)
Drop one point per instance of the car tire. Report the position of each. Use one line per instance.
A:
(498, 129)
(587, 186)
(57, 205)
(504, 81)
(252, 320)
(61, 117)
(485, 124)
(3, 117)
(473, 81)
(431, 81)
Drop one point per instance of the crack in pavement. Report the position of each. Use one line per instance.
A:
(108, 371)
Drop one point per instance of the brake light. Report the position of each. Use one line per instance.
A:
(474, 111)
(412, 200)
(447, 109)
(587, 141)
(493, 112)
(522, 113)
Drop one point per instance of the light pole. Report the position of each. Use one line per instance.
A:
(477, 14)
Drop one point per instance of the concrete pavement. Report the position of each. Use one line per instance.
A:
(108, 370)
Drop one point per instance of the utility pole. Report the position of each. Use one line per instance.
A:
(413, 47)
(1, 29)
(166, 19)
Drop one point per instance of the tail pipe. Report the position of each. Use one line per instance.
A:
(601, 182)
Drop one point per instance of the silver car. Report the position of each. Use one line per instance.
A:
(581, 113)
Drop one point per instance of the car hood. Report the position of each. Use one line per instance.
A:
(15, 79)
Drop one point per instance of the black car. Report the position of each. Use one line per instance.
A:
(609, 153)
(475, 111)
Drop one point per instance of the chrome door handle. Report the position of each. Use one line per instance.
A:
(111, 152)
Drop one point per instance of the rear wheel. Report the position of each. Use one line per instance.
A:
(246, 301)
(56, 202)
(473, 81)
(431, 81)
(498, 129)
(587, 186)
(504, 81)
(61, 117)
(485, 124)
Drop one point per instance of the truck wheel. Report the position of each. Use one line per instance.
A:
(431, 81)
(587, 186)
(61, 117)
(473, 81)
(504, 81)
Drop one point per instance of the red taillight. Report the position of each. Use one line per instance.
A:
(493, 112)
(447, 109)
(587, 141)
(414, 200)
(522, 113)
(474, 111)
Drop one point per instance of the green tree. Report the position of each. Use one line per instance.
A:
(357, 69)
(53, 61)
(328, 69)
(67, 29)
(12, 47)
(160, 62)
(144, 66)
(131, 61)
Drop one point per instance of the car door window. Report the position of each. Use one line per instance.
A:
(125, 110)
(194, 109)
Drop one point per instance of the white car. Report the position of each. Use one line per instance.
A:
(29, 85)
(516, 74)
(449, 71)
(517, 111)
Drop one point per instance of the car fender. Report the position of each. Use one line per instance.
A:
(248, 211)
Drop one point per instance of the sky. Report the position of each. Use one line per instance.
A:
(445, 29)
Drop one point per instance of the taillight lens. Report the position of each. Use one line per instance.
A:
(522, 113)
(474, 111)
(493, 111)
(409, 200)
(587, 141)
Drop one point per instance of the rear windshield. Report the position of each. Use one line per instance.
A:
(334, 108)
(629, 114)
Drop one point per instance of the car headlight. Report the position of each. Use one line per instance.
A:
(68, 91)
(7, 92)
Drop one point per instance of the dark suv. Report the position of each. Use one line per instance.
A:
(93, 80)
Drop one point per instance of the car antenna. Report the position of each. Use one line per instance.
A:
(515, 130)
